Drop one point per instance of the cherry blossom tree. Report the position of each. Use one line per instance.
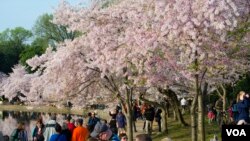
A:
(173, 44)
(18, 81)
(189, 36)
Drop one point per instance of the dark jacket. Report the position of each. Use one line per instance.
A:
(92, 122)
(149, 114)
(67, 134)
(243, 109)
(38, 136)
(158, 115)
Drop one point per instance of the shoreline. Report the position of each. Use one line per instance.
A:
(48, 109)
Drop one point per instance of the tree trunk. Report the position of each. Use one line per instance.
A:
(224, 98)
(167, 110)
(129, 114)
(164, 114)
(193, 119)
(175, 115)
(164, 121)
(201, 129)
(175, 103)
(201, 126)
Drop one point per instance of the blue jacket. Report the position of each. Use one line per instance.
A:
(114, 138)
(58, 137)
(243, 109)
(93, 121)
(121, 120)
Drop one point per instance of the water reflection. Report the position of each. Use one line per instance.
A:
(9, 120)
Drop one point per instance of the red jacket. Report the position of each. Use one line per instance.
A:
(71, 127)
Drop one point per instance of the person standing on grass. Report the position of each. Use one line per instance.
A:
(183, 105)
(149, 115)
(158, 118)
(121, 122)
(243, 108)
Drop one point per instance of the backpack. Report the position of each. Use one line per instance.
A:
(235, 108)
(14, 135)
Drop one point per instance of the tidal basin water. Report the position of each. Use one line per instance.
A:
(9, 120)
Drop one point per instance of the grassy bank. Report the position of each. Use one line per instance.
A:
(180, 133)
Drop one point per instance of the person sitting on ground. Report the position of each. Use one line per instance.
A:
(58, 136)
(80, 133)
(143, 137)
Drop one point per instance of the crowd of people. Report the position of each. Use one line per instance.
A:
(238, 111)
(93, 129)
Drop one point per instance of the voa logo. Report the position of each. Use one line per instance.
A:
(236, 132)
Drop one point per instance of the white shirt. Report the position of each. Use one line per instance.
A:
(183, 102)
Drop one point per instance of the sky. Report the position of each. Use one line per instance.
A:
(24, 13)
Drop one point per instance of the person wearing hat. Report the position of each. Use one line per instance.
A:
(50, 127)
(103, 133)
(80, 133)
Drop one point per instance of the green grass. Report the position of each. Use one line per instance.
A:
(179, 133)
